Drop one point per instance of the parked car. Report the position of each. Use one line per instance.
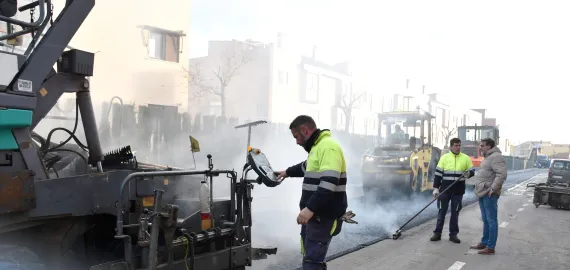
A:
(559, 172)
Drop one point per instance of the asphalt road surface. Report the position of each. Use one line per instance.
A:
(275, 212)
(528, 238)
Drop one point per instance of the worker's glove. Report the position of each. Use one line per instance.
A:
(435, 192)
(467, 174)
(347, 217)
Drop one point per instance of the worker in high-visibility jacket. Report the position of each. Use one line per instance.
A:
(453, 168)
(323, 201)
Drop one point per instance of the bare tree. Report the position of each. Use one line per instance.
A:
(446, 132)
(347, 103)
(215, 80)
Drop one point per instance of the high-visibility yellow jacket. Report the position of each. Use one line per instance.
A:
(450, 168)
(324, 172)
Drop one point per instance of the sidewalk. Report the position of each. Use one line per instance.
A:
(529, 238)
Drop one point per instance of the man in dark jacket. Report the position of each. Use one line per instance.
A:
(323, 200)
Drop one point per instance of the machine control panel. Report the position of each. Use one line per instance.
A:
(259, 163)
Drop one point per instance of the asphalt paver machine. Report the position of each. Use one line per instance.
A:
(71, 206)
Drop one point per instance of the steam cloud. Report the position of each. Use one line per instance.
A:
(275, 209)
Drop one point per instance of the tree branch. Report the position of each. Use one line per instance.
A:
(233, 60)
(349, 100)
(200, 83)
(230, 62)
(447, 133)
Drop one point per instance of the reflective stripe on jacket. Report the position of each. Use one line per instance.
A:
(450, 168)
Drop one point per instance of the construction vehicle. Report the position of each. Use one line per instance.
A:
(555, 195)
(542, 161)
(471, 136)
(402, 160)
(70, 206)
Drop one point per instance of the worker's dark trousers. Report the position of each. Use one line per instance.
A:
(315, 239)
(443, 205)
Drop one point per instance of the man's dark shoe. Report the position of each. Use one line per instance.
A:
(487, 251)
(454, 239)
(478, 246)
(435, 237)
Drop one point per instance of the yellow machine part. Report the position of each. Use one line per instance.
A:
(421, 159)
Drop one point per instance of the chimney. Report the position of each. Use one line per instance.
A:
(315, 52)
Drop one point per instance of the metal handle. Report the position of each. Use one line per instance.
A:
(31, 26)
(35, 24)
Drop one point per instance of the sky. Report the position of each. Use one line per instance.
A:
(510, 57)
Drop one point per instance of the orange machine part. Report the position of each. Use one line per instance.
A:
(476, 161)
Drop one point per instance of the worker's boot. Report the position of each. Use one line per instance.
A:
(454, 239)
(487, 251)
(435, 237)
(478, 246)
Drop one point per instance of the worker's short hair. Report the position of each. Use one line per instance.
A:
(303, 120)
(454, 141)
(489, 142)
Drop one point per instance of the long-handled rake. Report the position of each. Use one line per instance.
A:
(249, 125)
(398, 233)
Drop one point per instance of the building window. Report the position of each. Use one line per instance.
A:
(163, 44)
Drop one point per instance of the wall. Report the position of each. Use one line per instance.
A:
(489, 122)
(523, 149)
(301, 87)
(319, 89)
(284, 88)
(551, 149)
(515, 163)
(247, 91)
(122, 63)
(273, 87)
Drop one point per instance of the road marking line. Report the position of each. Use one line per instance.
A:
(504, 224)
(520, 209)
(514, 216)
(530, 200)
(456, 265)
(523, 183)
(526, 204)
